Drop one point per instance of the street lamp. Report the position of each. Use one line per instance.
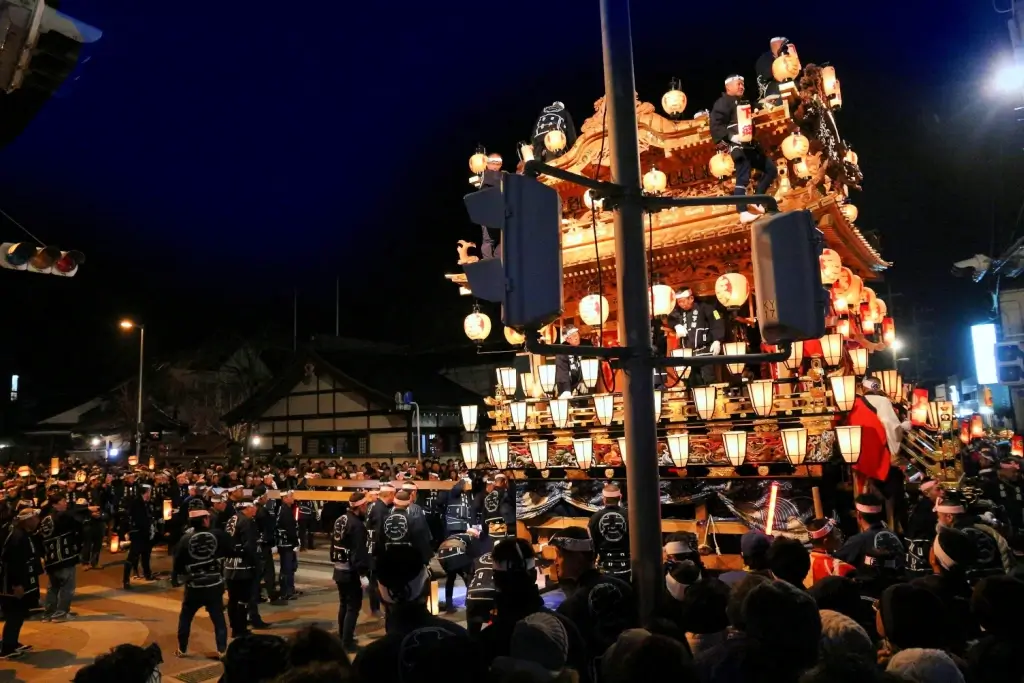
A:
(129, 325)
(1008, 79)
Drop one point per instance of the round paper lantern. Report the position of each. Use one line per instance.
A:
(663, 299)
(513, 337)
(867, 296)
(721, 165)
(554, 141)
(831, 266)
(848, 287)
(851, 157)
(883, 310)
(655, 181)
(588, 201)
(732, 290)
(594, 309)
(849, 212)
(801, 169)
(785, 68)
(853, 294)
(477, 326)
(478, 162)
(673, 101)
(795, 146)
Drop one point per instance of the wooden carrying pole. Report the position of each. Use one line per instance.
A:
(819, 511)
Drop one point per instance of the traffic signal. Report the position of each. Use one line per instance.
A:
(527, 279)
(47, 260)
(791, 300)
(39, 50)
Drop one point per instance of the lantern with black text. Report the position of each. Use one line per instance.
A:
(732, 290)
(477, 325)
(888, 331)
(977, 426)
(594, 310)
(744, 123)
(831, 266)
(674, 100)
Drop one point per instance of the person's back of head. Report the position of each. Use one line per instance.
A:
(318, 672)
(839, 594)
(996, 660)
(704, 607)
(515, 567)
(918, 665)
(314, 644)
(997, 602)
(433, 653)
(786, 621)
(840, 634)
(844, 667)
(738, 595)
(255, 658)
(658, 657)
(912, 617)
(754, 547)
(401, 574)
(789, 560)
(123, 664)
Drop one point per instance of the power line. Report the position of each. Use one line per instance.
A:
(23, 228)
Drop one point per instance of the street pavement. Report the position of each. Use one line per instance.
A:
(108, 615)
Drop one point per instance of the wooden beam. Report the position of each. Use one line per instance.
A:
(667, 525)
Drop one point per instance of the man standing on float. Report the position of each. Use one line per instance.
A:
(700, 327)
(732, 129)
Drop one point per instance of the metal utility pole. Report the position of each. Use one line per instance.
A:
(634, 320)
(138, 419)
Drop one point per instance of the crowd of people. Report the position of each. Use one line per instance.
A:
(830, 608)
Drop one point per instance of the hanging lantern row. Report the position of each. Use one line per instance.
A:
(794, 442)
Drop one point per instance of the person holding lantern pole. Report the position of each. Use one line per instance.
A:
(767, 86)
(732, 129)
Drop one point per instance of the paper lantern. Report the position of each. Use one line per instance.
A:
(835, 98)
(762, 396)
(946, 415)
(593, 309)
(526, 382)
(152, 464)
(801, 169)
(744, 123)
(583, 449)
(590, 203)
(657, 405)
(24, 471)
(589, 368)
(890, 383)
(867, 325)
(679, 448)
(879, 309)
(539, 453)
(965, 431)
(859, 360)
(795, 442)
(853, 289)
(470, 451)
(547, 377)
(735, 447)
(844, 391)
(977, 426)
(785, 68)
(721, 165)
(849, 212)
(115, 543)
(655, 181)
(828, 80)
(623, 448)
(507, 381)
(795, 146)
(735, 349)
(559, 408)
(469, 417)
(80, 476)
(796, 356)
(477, 326)
(888, 331)
(1017, 446)
(604, 408)
(839, 304)
(732, 290)
(848, 437)
(830, 266)
(497, 451)
(554, 141)
(168, 511)
(478, 162)
(704, 399)
(674, 100)
(514, 337)
(519, 411)
(54, 466)
(851, 157)
(663, 299)
(843, 327)
(133, 460)
(832, 349)
(683, 370)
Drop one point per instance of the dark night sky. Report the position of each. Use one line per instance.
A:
(208, 162)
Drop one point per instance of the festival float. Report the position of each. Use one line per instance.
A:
(759, 433)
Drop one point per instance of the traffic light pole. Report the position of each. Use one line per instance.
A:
(643, 484)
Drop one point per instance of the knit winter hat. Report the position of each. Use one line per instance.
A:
(539, 645)
(918, 665)
(840, 633)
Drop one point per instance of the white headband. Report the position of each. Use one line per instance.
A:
(944, 559)
(677, 548)
(198, 513)
(611, 494)
(573, 545)
(730, 79)
(675, 589)
(869, 509)
(683, 293)
(823, 531)
(408, 487)
(931, 483)
(777, 38)
(950, 508)
(387, 487)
